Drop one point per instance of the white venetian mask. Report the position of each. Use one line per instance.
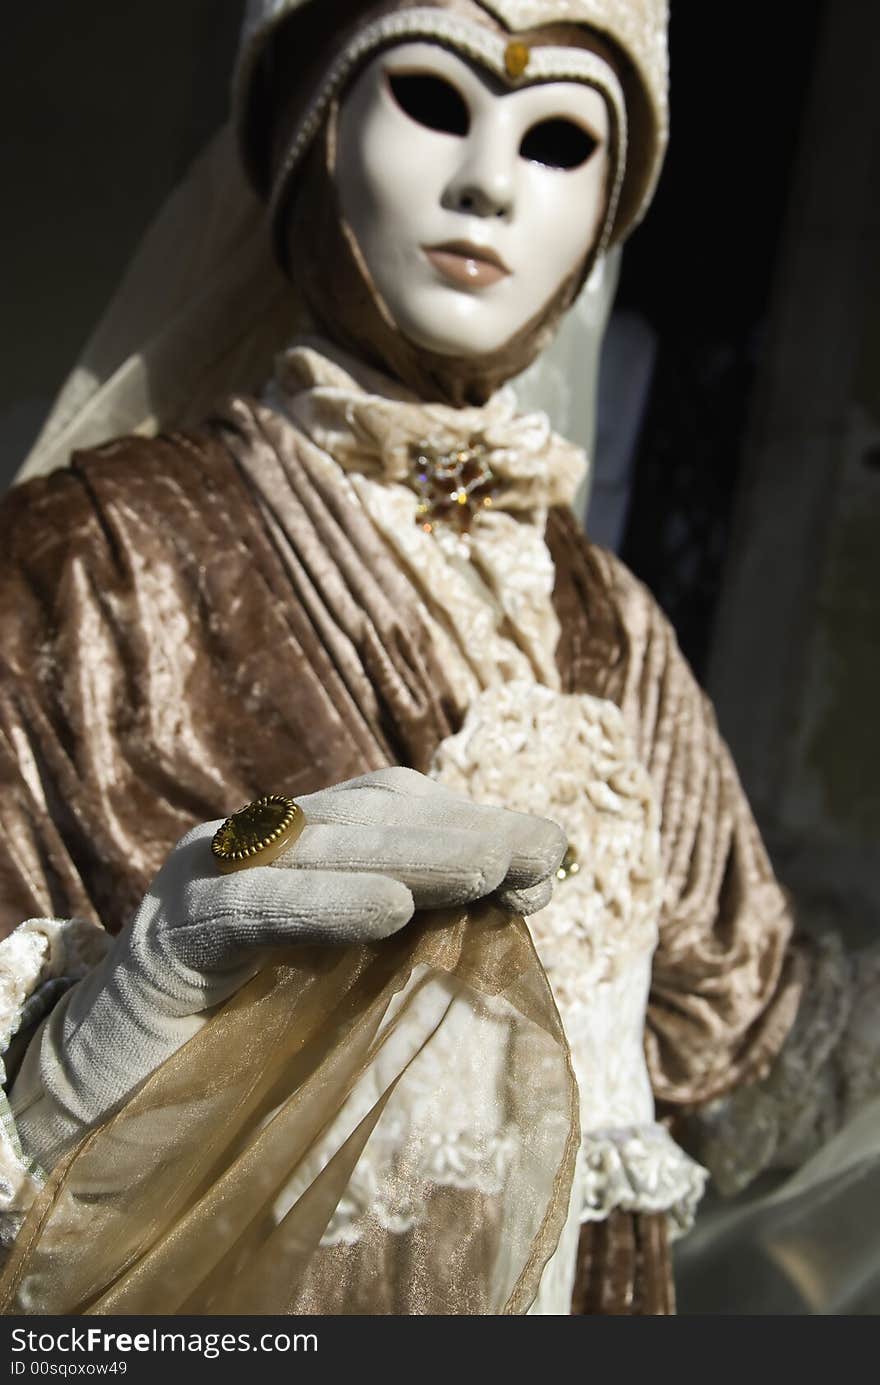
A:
(471, 204)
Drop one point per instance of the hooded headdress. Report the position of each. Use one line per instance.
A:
(295, 63)
(635, 32)
(204, 309)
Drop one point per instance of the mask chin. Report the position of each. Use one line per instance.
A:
(438, 322)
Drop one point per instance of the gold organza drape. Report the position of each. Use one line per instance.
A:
(381, 1129)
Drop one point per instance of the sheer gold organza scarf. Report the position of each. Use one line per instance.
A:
(387, 1129)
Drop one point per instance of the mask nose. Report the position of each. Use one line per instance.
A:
(483, 184)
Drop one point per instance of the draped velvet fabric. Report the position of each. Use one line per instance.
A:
(623, 1267)
(166, 658)
(196, 619)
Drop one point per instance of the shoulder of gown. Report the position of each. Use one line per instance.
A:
(187, 622)
(85, 552)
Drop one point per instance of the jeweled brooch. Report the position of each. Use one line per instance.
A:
(452, 486)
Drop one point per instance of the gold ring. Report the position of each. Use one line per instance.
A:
(258, 833)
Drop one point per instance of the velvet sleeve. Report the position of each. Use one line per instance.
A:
(138, 626)
(150, 676)
(187, 622)
(42, 527)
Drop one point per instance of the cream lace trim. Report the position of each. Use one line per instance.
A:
(641, 1170)
(370, 425)
(452, 1160)
(570, 758)
(447, 1125)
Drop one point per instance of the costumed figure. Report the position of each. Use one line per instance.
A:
(327, 1067)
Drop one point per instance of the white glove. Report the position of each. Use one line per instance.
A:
(374, 850)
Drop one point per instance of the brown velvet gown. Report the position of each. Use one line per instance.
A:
(193, 620)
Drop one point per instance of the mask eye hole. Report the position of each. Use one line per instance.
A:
(558, 143)
(431, 101)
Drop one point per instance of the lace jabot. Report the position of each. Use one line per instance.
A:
(488, 583)
(371, 425)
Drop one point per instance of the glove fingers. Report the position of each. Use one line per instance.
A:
(398, 798)
(263, 907)
(439, 868)
(535, 846)
(525, 902)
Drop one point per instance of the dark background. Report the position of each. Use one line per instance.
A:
(700, 271)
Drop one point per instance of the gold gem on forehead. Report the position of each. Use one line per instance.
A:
(516, 58)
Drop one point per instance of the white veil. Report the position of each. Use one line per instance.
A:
(201, 311)
(810, 1246)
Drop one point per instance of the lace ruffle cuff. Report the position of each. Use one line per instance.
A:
(640, 1169)
(39, 961)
